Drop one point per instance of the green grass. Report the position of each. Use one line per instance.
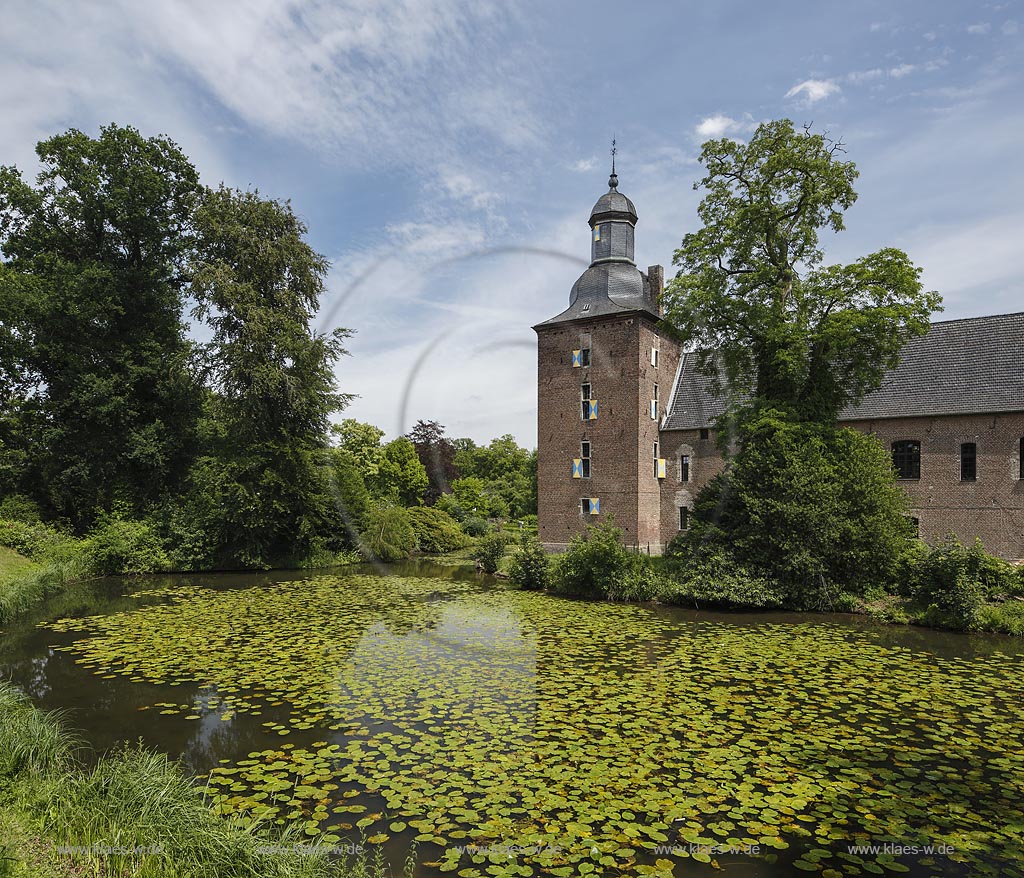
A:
(12, 564)
(134, 799)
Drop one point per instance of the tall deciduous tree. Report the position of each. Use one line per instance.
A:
(105, 399)
(258, 285)
(754, 296)
(437, 454)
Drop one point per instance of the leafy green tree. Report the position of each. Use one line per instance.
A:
(104, 402)
(754, 297)
(812, 507)
(258, 285)
(362, 442)
(401, 477)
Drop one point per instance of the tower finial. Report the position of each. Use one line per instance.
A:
(613, 180)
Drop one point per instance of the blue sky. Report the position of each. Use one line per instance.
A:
(446, 154)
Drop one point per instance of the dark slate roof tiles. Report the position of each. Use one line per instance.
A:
(970, 366)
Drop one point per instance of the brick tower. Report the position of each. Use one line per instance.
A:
(604, 375)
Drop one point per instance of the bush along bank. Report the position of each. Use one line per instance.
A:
(951, 586)
(133, 813)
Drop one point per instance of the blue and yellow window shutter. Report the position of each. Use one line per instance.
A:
(592, 410)
(661, 467)
(577, 468)
(576, 363)
(595, 506)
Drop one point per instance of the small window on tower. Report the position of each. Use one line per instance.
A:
(684, 518)
(654, 357)
(588, 405)
(704, 433)
(585, 459)
(585, 357)
(684, 467)
(597, 233)
(656, 460)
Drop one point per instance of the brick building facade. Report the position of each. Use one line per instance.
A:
(625, 423)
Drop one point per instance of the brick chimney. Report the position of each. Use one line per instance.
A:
(656, 281)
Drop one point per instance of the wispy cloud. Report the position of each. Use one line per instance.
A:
(813, 90)
(981, 28)
(583, 165)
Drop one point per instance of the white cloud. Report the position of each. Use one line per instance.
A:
(583, 165)
(813, 90)
(405, 81)
(716, 126)
(902, 70)
(1010, 28)
(981, 28)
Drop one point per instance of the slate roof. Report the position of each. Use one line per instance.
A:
(970, 366)
(613, 203)
(607, 288)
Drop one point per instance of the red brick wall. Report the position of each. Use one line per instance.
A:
(622, 437)
(990, 508)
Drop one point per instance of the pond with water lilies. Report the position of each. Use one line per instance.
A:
(496, 732)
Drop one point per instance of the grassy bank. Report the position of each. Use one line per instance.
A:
(134, 813)
(24, 583)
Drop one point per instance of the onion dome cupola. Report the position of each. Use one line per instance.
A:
(612, 284)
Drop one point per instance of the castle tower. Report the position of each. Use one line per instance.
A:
(604, 376)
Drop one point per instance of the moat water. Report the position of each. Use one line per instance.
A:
(425, 708)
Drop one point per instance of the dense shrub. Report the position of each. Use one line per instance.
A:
(490, 550)
(436, 531)
(678, 547)
(18, 507)
(594, 562)
(121, 546)
(953, 581)
(812, 507)
(641, 582)
(714, 577)
(530, 568)
(34, 540)
(389, 535)
(475, 526)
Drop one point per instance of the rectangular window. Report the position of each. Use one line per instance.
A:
(906, 458)
(704, 433)
(654, 357)
(684, 468)
(684, 518)
(588, 405)
(590, 506)
(1020, 460)
(585, 460)
(656, 461)
(968, 461)
(597, 233)
(580, 358)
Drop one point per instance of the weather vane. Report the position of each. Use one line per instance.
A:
(614, 150)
